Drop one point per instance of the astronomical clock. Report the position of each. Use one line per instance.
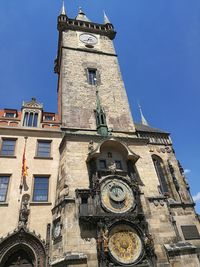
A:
(113, 204)
(116, 196)
(125, 244)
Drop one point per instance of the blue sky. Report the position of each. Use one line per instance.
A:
(158, 43)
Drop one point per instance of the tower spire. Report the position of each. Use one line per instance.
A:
(143, 120)
(63, 10)
(106, 19)
(102, 128)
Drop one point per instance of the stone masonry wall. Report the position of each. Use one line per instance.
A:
(79, 97)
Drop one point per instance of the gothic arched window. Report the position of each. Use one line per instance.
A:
(161, 173)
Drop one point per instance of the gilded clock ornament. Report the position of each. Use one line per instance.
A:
(125, 245)
(116, 196)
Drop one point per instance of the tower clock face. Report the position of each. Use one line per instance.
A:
(88, 39)
(125, 245)
(116, 196)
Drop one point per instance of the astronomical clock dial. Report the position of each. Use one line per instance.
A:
(88, 39)
(116, 196)
(124, 244)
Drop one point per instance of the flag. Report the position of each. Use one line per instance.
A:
(24, 168)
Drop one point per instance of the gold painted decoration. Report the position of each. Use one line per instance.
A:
(125, 244)
(116, 196)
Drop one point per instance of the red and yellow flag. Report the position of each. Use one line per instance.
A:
(24, 167)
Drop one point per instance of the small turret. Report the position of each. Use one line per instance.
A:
(106, 19)
(81, 16)
(63, 10)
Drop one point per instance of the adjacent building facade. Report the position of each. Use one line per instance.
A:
(89, 186)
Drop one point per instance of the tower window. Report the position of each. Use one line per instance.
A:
(4, 181)
(8, 147)
(41, 188)
(92, 76)
(102, 119)
(30, 119)
(161, 175)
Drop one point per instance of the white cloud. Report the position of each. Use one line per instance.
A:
(186, 171)
(196, 198)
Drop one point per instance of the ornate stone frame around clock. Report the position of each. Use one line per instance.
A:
(22, 238)
(95, 152)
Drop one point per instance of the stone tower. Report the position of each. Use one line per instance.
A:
(121, 197)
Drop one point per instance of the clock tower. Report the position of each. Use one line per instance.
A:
(87, 62)
(121, 195)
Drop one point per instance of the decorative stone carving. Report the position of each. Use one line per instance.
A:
(157, 200)
(91, 146)
(105, 235)
(112, 167)
(32, 104)
(171, 168)
(149, 243)
(163, 150)
(29, 241)
(24, 211)
(180, 248)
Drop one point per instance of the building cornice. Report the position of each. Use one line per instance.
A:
(89, 51)
(65, 23)
(35, 132)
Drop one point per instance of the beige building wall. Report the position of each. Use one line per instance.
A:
(40, 213)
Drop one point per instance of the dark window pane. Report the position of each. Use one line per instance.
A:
(102, 119)
(8, 147)
(35, 120)
(44, 149)
(84, 200)
(92, 76)
(48, 118)
(25, 122)
(4, 180)
(118, 164)
(41, 186)
(9, 115)
(30, 120)
(102, 164)
(161, 176)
